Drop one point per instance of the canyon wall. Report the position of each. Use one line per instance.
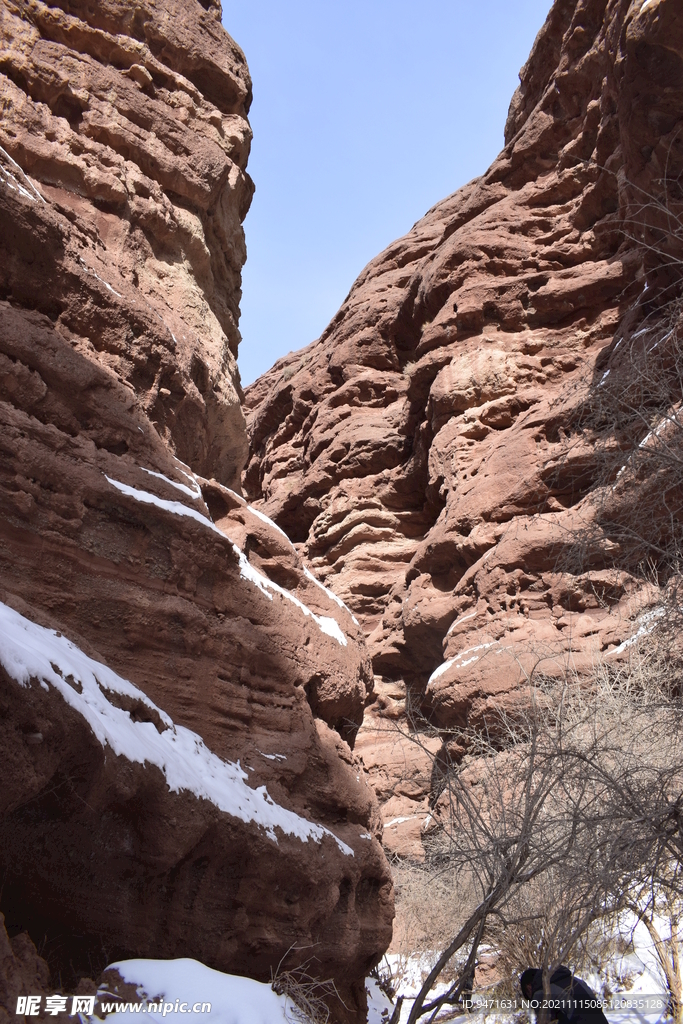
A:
(180, 696)
(428, 453)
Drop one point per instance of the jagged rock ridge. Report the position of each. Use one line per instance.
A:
(425, 452)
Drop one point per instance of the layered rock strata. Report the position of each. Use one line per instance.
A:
(429, 453)
(179, 694)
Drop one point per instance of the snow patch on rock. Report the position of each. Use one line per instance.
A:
(330, 593)
(29, 651)
(233, 1000)
(192, 492)
(325, 624)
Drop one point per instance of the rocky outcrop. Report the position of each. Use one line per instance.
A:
(179, 695)
(429, 452)
(133, 123)
(22, 972)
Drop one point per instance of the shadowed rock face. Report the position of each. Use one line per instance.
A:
(124, 140)
(426, 451)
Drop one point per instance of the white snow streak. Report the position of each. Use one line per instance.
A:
(468, 662)
(661, 340)
(259, 515)
(641, 444)
(100, 279)
(242, 501)
(106, 284)
(264, 518)
(648, 621)
(29, 651)
(648, 3)
(330, 594)
(655, 433)
(457, 660)
(12, 182)
(463, 618)
(269, 522)
(325, 624)
(440, 670)
(176, 507)
(192, 492)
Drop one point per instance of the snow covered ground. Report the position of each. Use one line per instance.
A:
(167, 988)
(380, 1007)
(634, 974)
(168, 985)
(236, 1000)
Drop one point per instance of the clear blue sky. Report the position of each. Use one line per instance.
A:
(365, 114)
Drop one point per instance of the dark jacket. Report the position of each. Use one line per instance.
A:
(574, 997)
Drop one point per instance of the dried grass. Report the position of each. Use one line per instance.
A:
(308, 998)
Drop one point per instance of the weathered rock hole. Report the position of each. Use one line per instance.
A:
(367, 893)
(69, 108)
(345, 888)
(116, 447)
(136, 708)
(199, 373)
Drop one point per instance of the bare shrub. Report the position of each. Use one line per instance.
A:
(557, 819)
(657, 905)
(430, 903)
(308, 998)
(543, 924)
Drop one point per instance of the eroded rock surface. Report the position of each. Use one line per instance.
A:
(133, 123)
(22, 972)
(124, 140)
(427, 452)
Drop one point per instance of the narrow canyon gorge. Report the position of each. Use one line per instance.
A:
(223, 612)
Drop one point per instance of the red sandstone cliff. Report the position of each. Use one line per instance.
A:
(427, 453)
(179, 695)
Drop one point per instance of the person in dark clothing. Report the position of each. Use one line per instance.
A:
(571, 1000)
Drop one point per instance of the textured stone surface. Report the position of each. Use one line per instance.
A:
(22, 972)
(425, 451)
(124, 140)
(132, 120)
